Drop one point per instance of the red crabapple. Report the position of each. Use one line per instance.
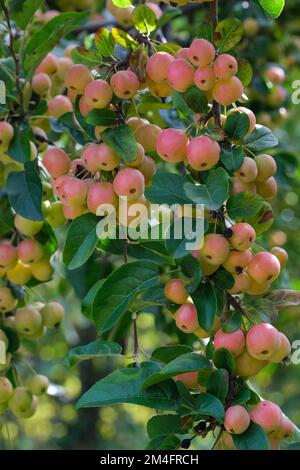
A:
(135, 122)
(182, 53)
(281, 255)
(147, 135)
(8, 256)
(215, 249)
(268, 189)
(201, 52)
(264, 267)
(237, 261)
(148, 169)
(226, 92)
(84, 108)
(98, 157)
(125, 84)
(238, 186)
(56, 161)
(186, 318)
(101, 193)
(189, 379)
(275, 74)
(63, 65)
(237, 419)
(225, 66)
(6, 133)
(250, 114)
(284, 350)
(175, 291)
(72, 212)
(129, 183)
(268, 415)
(266, 167)
(248, 171)
(157, 66)
(180, 75)
(139, 157)
(262, 341)
(30, 251)
(241, 283)
(243, 236)
(203, 153)
(233, 342)
(6, 390)
(98, 94)
(77, 78)
(48, 65)
(247, 366)
(7, 300)
(205, 78)
(73, 191)
(285, 430)
(171, 145)
(59, 105)
(41, 83)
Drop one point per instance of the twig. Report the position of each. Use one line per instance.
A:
(217, 440)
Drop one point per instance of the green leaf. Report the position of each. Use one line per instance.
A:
(254, 438)
(260, 309)
(121, 140)
(223, 359)
(24, 190)
(124, 39)
(273, 8)
(89, 57)
(164, 425)
(232, 156)
(164, 442)
(237, 125)
(66, 124)
(6, 216)
(245, 72)
(196, 100)
(122, 3)
(19, 149)
(167, 188)
(244, 205)
(114, 297)
(214, 193)
(189, 362)
(205, 301)
(168, 353)
(47, 37)
(231, 32)
(232, 322)
(22, 11)
(222, 279)
(263, 219)
(125, 386)
(104, 42)
(96, 349)
(208, 405)
(218, 384)
(81, 240)
(168, 15)
(88, 300)
(260, 139)
(101, 117)
(144, 19)
(182, 234)
(242, 397)
(190, 267)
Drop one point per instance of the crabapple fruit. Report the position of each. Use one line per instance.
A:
(248, 112)
(285, 429)
(139, 157)
(225, 66)
(215, 249)
(205, 78)
(55, 216)
(52, 314)
(201, 52)
(38, 384)
(268, 415)
(72, 212)
(263, 341)
(101, 193)
(20, 274)
(171, 145)
(6, 390)
(157, 66)
(77, 78)
(281, 255)
(147, 135)
(248, 366)
(41, 83)
(98, 94)
(182, 53)
(275, 74)
(226, 92)
(129, 182)
(175, 291)
(238, 186)
(20, 402)
(73, 191)
(180, 75)
(6, 133)
(268, 189)
(189, 379)
(98, 157)
(264, 267)
(59, 105)
(237, 261)
(148, 169)
(28, 321)
(237, 419)
(233, 342)
(203, 153)
(241, 283)
(124, 16)
(248, 171)
(256, 288)
(186, 318)
(30, 251)
(8, 256)
(56, 161)
(42, 270)
(63, 65)
(135, 122)
(48, 65)
(284, 350)
(243, 236)
(125, 84)
(7, 300)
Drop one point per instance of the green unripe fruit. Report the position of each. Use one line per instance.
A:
(28, 321)
(6, 390)
(38, 384)
(52, 314)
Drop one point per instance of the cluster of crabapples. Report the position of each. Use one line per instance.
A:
(28, 322)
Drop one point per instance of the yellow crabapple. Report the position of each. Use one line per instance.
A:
(281, 255)
(139, 157)
(7, 301)
(6, 390)
(20, 274)
(28, 320)
(42, 270)
(148, 169)
(248, 366)
(266, 167)
(52, 314)
(41, 83)
(6, 133)
(38, 384)
(147, 135)
(268, 189)
(248, 171)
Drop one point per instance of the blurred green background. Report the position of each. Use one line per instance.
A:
(57, 424)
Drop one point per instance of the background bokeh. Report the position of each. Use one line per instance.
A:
(57, 424)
